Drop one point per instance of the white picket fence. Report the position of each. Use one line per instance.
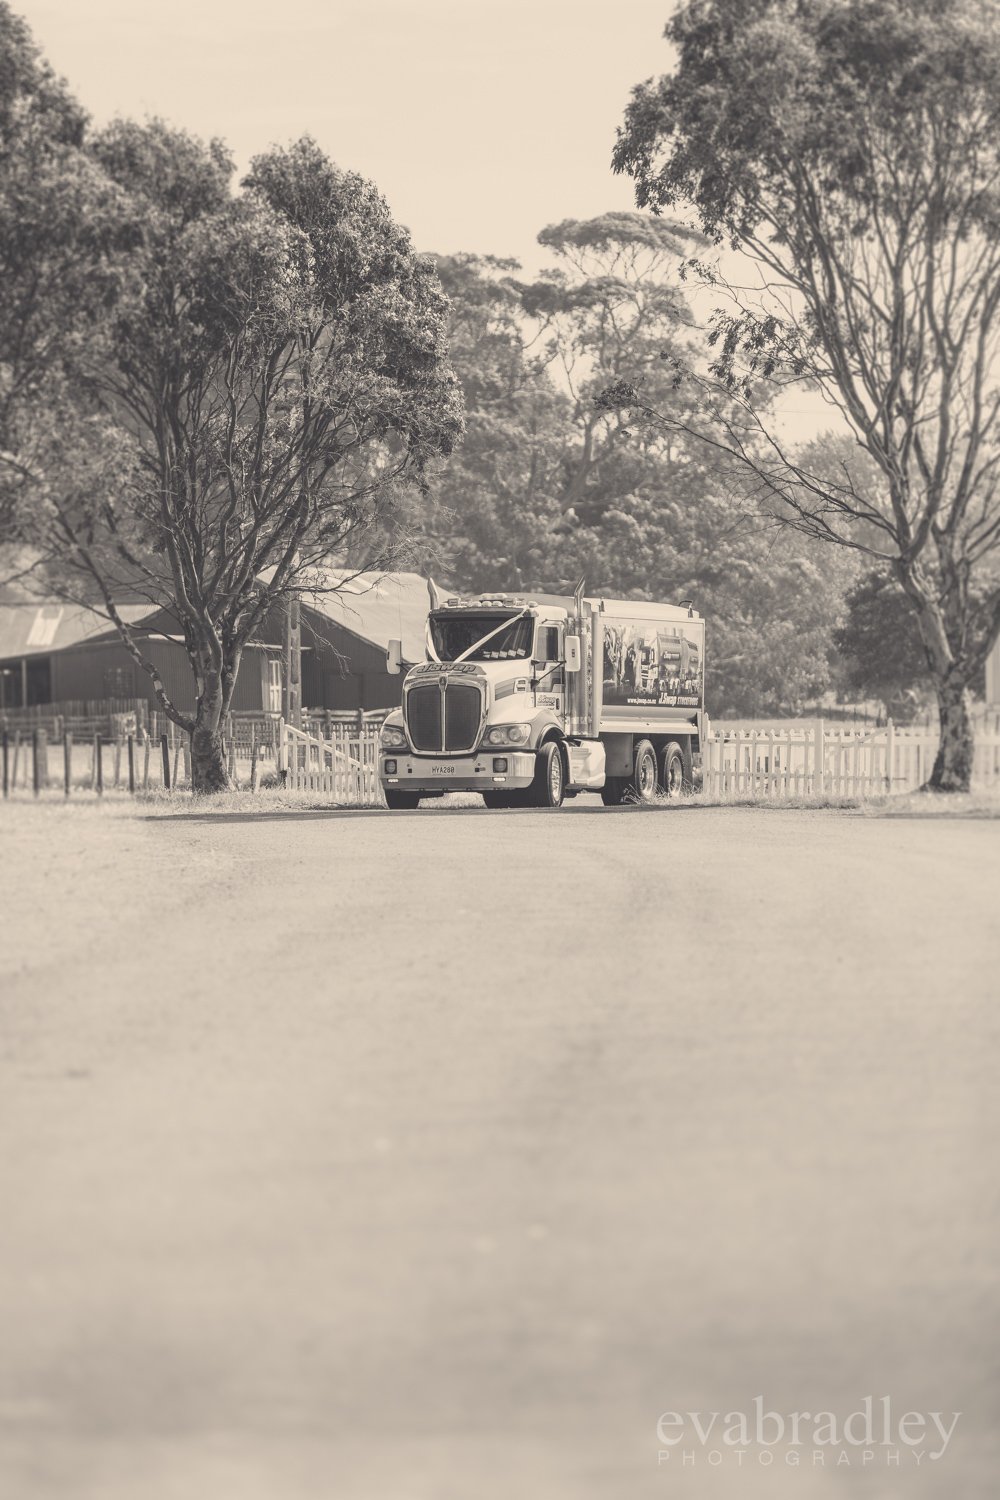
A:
(780, 758)
(343, 765)
(793, 757)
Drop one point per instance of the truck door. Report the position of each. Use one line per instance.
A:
(550, 688)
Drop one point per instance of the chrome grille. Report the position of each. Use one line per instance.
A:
(461, 716)
(462, 706)
(423, 717)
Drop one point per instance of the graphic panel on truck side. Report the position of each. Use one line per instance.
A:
(650, 664)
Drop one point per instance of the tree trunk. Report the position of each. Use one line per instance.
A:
(208, 761)
(953, 766)
(209, 773)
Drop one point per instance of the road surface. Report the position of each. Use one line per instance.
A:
(435, 1156)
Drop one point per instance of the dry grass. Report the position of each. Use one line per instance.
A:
(119, 805)
(975, 804)
(161, 804)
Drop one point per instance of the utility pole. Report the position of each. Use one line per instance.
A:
(291, 677)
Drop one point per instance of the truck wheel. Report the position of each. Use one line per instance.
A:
(643, 781)
(675, 776)
(613, 790)
(549, 785)
(400, 800)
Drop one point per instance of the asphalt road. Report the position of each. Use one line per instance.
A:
(434, 1156)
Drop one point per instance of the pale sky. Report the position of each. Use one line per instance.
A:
(480, 120)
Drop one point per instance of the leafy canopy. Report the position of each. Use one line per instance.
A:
(271, 373)
(852, 149)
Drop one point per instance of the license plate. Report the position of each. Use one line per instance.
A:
(443, 770)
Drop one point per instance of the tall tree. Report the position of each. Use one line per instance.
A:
(540, 459)
(610, 310)
(488, 518)
(852, 149)
(879, 642)
(271, 374)
(547, 488)
(59, 228)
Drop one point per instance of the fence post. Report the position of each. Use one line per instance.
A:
(819, 781)
(253, 757)
(890, 752)
(35, 780)
(98, 765)
(6, 782)
(131, 763)
(165, 756)
(68, 758)
(282, 752)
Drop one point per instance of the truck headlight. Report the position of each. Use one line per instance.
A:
(508, 734)
(392, 737)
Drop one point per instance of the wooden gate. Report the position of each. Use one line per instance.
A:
(343, 765)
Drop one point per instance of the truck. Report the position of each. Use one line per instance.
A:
(531, 698)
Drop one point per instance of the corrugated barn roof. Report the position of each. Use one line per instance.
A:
(379, 607)
(35, 629)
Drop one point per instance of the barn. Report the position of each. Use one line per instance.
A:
(54, 654)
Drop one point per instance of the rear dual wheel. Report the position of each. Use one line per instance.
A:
(671, 775)
(676, 772)
(643, 783)
(641, 786)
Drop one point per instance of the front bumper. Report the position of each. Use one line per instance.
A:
(456, 773)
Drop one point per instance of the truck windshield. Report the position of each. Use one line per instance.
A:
(454, 634)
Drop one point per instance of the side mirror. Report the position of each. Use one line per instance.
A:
(394, 658)
(572, 653)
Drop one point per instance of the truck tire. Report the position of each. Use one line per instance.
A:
(675, 771)
(644, 781)
(549, 785)
(398, 800)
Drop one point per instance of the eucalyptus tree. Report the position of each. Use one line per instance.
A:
(487, 519)
(270, 377)
(851, 150)
(546, 487)
(540, 460)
